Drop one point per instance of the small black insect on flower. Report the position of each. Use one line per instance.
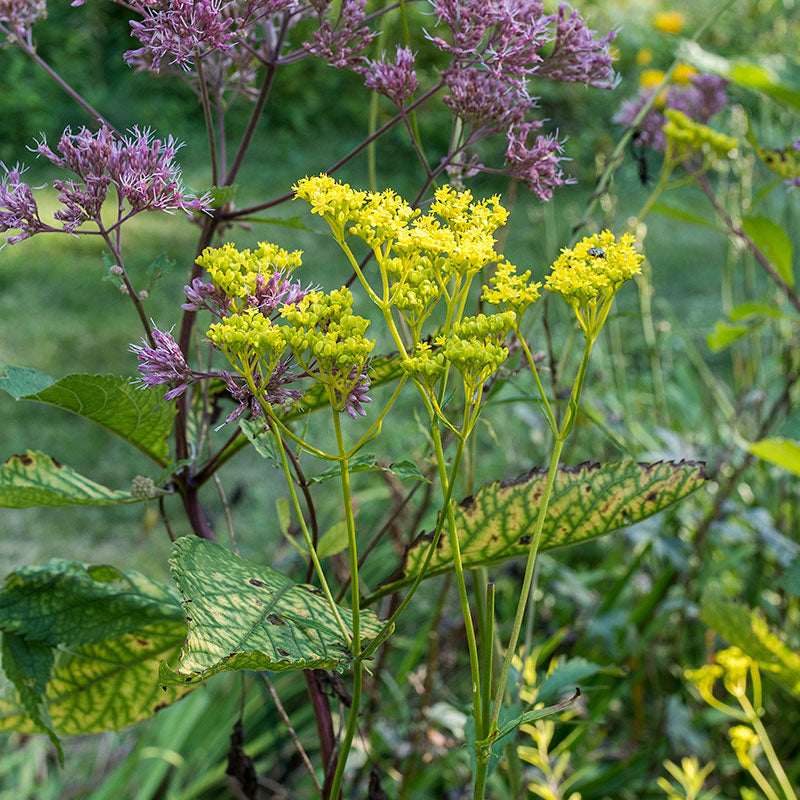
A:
(597, 252)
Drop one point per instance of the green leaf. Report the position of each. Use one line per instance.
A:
(682, 215)
(88, 640)
(288, 222)
(365, 463)
(783, 452)
(247, 616)
(139, 416)
(537, 713)
(773, 242)
(159, 265)
(567, 674)
(260, 437)
(103, 686)
(724, 334)
(333, 541)
(587, 501)
(70, 602)
(757, 310)
(222, 194)
(27, 665)
(36, 479)
(748, 630)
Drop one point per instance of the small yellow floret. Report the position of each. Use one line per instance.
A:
(683, 74)
(686, 137)
(644, 56)
(744, 741)
(510, 291)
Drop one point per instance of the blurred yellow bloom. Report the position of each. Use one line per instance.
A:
(651, 78)
(683, 74)
(669, 21)
(644, 57)
(615, 53)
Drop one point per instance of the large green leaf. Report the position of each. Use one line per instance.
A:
(774, 243)
(247, 616)
(587, 501)
(36, 479)
(140, 416)
(72, 602)
(783, 452)
(103, 686)
(82, 644)
(747, 629)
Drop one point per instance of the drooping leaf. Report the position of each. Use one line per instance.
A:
(71, 602)
(567, 675)
(587, 501)
(774, 243)
(333, 541)
(783, 452)
(724, 334)
(36, 479)
(88, 639)
(748, 630)
(27, 665)
(243, 615)
(103, 686)
(139, 416)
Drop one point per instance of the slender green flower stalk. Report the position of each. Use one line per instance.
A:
(739, 673)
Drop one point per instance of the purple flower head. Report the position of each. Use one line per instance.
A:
(19, 15)
(276, 291)
(275, 392)
(481, 99)
(342, 42)
(163, 363)
(704, 97)
(18, 209)
(577, 56)
(205, 296)
(357, 396)
(178, 31)
(141, 168)
(397, 81)
(538, 167)
(145, 174)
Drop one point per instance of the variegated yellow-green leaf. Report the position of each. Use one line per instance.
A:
(103, 686)
(36, 479)
(84, 643)
(247, 616)
(140, 416)
(747, 629)
(587, 501)
(73, 602)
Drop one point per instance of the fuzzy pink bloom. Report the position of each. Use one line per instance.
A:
(162, 363)
(538, 167)
(18, 209)
(397, 81)
(341, 42)
(19, 15)
(178, 31)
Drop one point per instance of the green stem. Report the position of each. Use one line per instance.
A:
(769, 751)
(355, 588)
(551, 420)
(306, 534)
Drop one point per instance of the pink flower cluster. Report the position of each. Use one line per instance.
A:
(140, 167)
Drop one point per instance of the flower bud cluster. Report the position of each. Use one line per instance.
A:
(510, 291)
(687, 138)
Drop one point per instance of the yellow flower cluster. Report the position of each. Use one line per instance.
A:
(324, 329)
(685, 137)
(418, 254)
(591, 273)
(234, 272)
(510, 291)
(249, 333)
(425, 364)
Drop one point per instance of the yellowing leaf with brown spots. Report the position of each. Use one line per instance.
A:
(36, 479)
(587, 501)
(243, 615)
(98, 635)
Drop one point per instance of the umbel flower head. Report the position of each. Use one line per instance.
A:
(687, 139)
(588, 276)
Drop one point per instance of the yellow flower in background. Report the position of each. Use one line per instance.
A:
(651, 78)
(669, 21)
(615, 53)
(644, 57)
(683, 74)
